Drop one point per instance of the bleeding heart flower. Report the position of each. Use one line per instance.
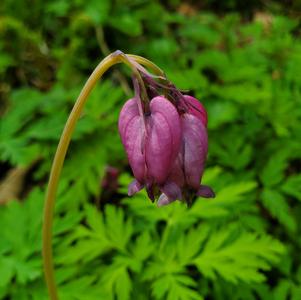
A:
(151, 139)
(165, 139)
(183, 182)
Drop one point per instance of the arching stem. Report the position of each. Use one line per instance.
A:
(104, 65)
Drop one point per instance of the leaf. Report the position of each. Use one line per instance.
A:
(220, 113)
(123, 286)
(226, 200)
(165, 263)
(83, 288)
(18, 151)
(86, 176)
(129, 25)
(240, 260)
(6, 271)
(20, 243)
(292, 186)
(119, 230)
(296, 292)
(27, 270)
(279, 208)
(175, 287)
(238, 148)
(24, 103)
(98, 11)
(187, 79)
(143, 246)
(116, 280)
(189, 245)
(282, 290)
(273, 172)
(88, 242)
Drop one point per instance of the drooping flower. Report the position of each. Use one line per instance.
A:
(151, 137)
(165, 139)
(187, 170)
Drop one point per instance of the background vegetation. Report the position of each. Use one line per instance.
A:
(242, 61)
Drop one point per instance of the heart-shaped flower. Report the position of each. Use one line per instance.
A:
(151, 140)
(184, 180)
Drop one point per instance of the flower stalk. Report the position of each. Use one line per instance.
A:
(104, 65)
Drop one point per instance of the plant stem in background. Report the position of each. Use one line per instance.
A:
(106, 51)
(104, 65)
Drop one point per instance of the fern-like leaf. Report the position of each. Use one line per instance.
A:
(240, 260)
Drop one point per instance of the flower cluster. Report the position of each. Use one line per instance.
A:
(164, 134)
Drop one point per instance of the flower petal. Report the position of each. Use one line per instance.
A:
(162, 106)
(205, 191)
(171, 190)
(132, 134)
(164, 200)
(134, 187)
(177, 171)
(128, 111)
(163, 138)
(196, 108)
(195, 149)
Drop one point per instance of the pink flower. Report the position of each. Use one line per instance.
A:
(183, 182)
(151, 138)
(165, 139)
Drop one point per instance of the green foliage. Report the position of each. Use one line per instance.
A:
(244, 244)
(240, 260)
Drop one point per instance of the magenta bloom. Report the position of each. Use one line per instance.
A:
(151, 140)
(187, 170)
(165, 139)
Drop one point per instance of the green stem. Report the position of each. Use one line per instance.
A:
(104, 65)
(127, 61)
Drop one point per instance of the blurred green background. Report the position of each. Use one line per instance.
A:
(242, 59)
